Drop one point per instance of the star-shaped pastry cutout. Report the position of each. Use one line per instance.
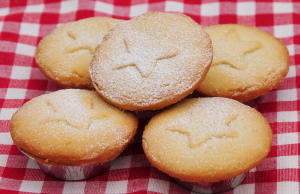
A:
(200, 131)
(73, 49)
(144, 57)
(84, 124)
(229, 49)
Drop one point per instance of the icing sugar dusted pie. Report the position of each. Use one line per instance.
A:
(247, 62)
(72, 127)
(65, 54)
(207, 139)
(151, 61)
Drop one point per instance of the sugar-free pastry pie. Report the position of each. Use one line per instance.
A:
(151, 61)
(247, 62)
(65, 54)
(207, 139)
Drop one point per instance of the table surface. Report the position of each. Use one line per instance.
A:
(24, 23)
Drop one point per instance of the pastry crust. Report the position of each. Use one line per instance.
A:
(65, 54)
(151, 61)
(207, 139)
(247, 62)
(72, 127)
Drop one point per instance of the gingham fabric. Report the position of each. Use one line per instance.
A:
(24, 23)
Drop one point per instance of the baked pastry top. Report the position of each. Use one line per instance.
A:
(72, 127)
(151, 61)
(207, 139)
(247, 62)
(65, 54)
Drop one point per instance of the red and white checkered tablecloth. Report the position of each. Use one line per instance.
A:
(24, 23)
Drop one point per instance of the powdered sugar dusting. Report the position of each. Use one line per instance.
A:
(207, 139)
(199, 128)
(74, 123)
(144, 61)
(151, 59)
(65, 54)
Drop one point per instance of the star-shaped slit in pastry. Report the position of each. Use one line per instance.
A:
(201, 131)
(144, 58)
(75, 125)
(76, 48)
(84, 124)
(230, 50)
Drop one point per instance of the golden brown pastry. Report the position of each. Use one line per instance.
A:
(247, 62)
(207, 139)
(65, 54)
(151, 61)
(72, 127)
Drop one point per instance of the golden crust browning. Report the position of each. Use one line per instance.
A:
(65, 54)
(207, 139)
(247, 62)
(72, 127)
(151, 61)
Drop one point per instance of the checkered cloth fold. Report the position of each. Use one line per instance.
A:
(24, 23)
